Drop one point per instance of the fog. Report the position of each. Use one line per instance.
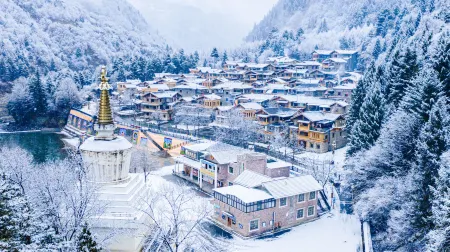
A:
(203, 24)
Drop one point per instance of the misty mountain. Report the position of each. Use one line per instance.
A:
(76, 34)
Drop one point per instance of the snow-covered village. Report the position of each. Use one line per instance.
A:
(225, 125)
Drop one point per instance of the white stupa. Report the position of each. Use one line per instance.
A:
(106, 158)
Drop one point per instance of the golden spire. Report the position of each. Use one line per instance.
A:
(104, 108)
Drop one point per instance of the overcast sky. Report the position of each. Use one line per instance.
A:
(201, 24)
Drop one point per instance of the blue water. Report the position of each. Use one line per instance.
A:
(41, 145)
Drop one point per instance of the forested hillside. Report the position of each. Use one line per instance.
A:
(51, 49)
(296, 27)
(399, 128)
(52, 35)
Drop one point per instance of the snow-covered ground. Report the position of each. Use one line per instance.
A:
(333, 231)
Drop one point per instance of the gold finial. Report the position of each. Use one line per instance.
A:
(104, 107)
(103, 80)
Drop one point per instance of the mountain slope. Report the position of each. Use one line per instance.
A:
(323, 21)
(78, 34)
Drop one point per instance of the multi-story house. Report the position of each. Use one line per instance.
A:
(189, 89)
(221, 116)
(129, 84)
(334, 64)
(351, 56)
(209, 100)
(219, 164)
(289, 74)
(249, 109)
(262, 99)
(274, 120)
(321, 55)
(310, 65)
(281, 60)
(158, 105)
(321, 132)
(256, 204)
(342, 92)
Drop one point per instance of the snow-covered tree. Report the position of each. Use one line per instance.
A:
(177, 215)
(366, 129)
(86, 241)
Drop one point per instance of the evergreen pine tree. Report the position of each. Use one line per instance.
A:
(377, 49)
(402, 72)
(439, 238)
(441, 62)
(14, 216)
(205, 63)
(215, 54)
(358, 96)
(432, 143)
(37, 93)
(86, 242)
(366, 129)
(196, 58)
(422, 94)
(224, 58)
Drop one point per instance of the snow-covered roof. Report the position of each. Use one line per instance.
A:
(167, 94)
(291, 186)
(309, 100)
(159, 86)
(302, 71)
(251, 179)
(279, 80)
(188, 161)
(224, 108)
(277, 164)
(346, 87)
(308, 81)
(251, 105)
(315, 116)
(337, 60)
(283, 112)
(204, 69)
(190, 85)
(256, 97)
(199, 146)
(232, 85)
(346, 51)
(247, 195)
(311, 89)
(323, 52)
(225, 153)
(117, 144)
(309, 63)
(212, 97)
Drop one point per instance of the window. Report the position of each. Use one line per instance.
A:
(317, 146)
(300, 213)
(312, 195)
(301, 197)
(230, 183)
(283, 202)
(254, 225)
(311, 145)
(271, 223)
(230, 170)
(310, 210)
